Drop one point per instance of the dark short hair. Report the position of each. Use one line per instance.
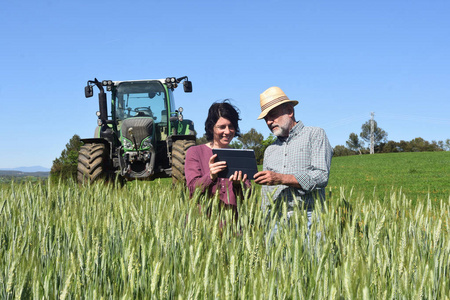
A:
(288, 108)
(225, 110)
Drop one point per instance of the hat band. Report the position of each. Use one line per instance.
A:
(270, 103)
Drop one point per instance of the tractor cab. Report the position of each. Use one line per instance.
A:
(143, 99)
(139, 98)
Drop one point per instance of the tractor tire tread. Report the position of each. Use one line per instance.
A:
(179, 149)
(92, 163)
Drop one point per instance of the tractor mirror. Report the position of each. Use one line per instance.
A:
(187, 86)
(88, 91)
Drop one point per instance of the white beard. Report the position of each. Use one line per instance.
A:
(282, 129)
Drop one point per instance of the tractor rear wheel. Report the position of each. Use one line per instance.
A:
(179, 149)
(93, 163)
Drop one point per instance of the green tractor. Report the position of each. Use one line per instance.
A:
(144, 137)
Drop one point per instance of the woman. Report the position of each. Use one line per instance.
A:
(201, 170)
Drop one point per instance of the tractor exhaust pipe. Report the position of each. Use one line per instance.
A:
(102, 106)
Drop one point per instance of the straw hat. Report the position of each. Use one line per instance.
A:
(271, 98)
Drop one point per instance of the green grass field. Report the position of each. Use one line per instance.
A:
(418, 175)
(149, 241)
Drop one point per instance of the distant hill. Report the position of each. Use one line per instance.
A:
(7, 173)
(36, 171)
(27, 169)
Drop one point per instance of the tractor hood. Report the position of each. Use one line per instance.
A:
(137, 130)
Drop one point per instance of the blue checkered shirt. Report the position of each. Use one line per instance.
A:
(306, 153)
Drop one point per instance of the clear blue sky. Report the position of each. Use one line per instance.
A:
(340, 59)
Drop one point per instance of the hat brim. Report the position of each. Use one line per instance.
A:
(266, 111)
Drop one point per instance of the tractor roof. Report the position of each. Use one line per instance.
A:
(139, 80)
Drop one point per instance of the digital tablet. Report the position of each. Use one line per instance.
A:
(237, 160)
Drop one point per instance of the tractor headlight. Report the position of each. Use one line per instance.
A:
(146, 143)
(127, 144)
(170, 79)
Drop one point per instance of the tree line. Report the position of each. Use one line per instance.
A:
(356, 144)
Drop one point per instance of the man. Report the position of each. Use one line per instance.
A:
(297, 165)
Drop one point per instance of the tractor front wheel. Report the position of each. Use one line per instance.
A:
(179, 149)
(93, 163)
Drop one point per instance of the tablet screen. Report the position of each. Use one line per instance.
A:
(237, 160)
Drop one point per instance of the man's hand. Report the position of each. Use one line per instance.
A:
(272, 178)
(268, 178)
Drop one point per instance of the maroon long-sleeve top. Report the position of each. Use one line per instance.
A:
(198, 175)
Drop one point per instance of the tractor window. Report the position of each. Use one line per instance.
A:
(142, 98)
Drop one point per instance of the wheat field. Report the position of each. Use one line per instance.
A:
(63, 241)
